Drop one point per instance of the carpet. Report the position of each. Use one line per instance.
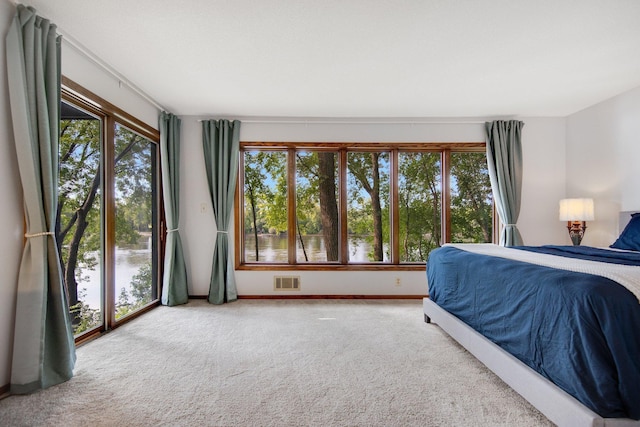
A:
(276, 363)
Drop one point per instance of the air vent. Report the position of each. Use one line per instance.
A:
(286, 283)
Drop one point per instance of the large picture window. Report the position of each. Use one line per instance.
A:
(346, 206)
(108, 223)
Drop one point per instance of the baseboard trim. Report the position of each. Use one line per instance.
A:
(320, 297)
(4, 391)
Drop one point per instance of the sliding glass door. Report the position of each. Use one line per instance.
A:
(109, 218)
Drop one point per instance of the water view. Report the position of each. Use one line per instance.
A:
(273, 248)
(129, 262)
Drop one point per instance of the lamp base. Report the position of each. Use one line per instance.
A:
(576, 231)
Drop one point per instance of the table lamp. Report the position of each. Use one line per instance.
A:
(576, 212)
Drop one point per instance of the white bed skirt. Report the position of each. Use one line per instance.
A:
(556, 404)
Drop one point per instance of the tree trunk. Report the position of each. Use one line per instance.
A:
(437, 226)
(328, 203)
(74, 247)
(255, 222)
(407, 224)
(377, 210)
(304, 251)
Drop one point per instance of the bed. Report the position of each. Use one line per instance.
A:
(560, 325)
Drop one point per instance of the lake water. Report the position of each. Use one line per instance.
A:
(273, 248)
(129, 261)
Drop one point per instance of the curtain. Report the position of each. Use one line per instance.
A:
(43, 348)
(221, 142)
(504, 160)
(174, 288)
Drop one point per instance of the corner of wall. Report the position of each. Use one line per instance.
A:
(602, 161)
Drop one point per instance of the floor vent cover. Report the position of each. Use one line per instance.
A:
(286, 283)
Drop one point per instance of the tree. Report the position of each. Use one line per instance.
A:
(365, 169)
(141, 286)
(419, 191)
(77, 206)
(328, 203)
(472, 199)
(317, 181)
(88, 317)
(265, 184)
(275, 207)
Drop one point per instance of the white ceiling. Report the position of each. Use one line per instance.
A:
(363, 58)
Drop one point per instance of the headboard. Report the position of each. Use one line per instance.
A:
(623, 219)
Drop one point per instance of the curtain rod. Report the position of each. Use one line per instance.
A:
(360, 122)
(106, 67)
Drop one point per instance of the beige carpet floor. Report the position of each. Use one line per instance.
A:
(276, 363)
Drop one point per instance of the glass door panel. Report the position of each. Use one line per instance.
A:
(79, 224)
(135, 222)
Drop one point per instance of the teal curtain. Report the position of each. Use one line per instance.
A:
(504, 160)
(174, 287)
(43, 348)
(221, 142)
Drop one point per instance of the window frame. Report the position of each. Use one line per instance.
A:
(111, 116)
(342, 148)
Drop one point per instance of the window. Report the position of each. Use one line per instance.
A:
(108, 204)
(317, 204)
(333, 205)
(419, 204)
(368, 216)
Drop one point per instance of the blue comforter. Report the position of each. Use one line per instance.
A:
(580, 331)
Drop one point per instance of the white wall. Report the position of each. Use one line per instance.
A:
(603, 160)
(543, 152)
(197, 226)
(543, 186)
(91, 76)
(11, 225)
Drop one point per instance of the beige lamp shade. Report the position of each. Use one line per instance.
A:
(576, 210)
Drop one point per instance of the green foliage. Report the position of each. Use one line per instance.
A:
(79, 166)
(368, 199)
(89, 318)
(359, 216)
(471, 200)
(265, 186)
(141, 292)
(307, 200)
(141, 285)
(420, 199)
(420, 195)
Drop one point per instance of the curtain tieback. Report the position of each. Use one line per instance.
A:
(172, 230)
(223, 232)
(44, 233)
(510, 225)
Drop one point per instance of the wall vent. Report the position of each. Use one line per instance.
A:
(286, 283)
